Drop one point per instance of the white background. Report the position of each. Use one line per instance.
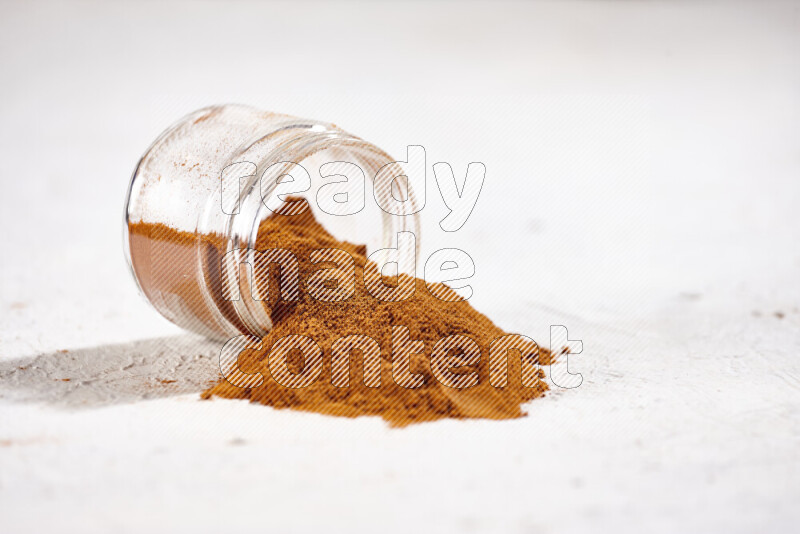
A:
(643, 174)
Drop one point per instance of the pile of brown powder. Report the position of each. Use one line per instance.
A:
(427, 318)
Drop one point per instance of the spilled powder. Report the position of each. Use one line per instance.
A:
(427, 318)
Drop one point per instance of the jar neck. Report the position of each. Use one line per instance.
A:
(286, 144)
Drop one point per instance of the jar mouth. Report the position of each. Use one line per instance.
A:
(304, 141)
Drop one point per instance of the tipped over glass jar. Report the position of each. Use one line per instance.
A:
(202, 189)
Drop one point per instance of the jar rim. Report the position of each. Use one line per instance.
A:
(313, 138)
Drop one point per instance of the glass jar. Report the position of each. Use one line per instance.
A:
(180, 222)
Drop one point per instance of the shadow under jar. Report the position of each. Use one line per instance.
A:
(186, 235)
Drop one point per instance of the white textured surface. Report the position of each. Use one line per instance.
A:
(642, 182)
